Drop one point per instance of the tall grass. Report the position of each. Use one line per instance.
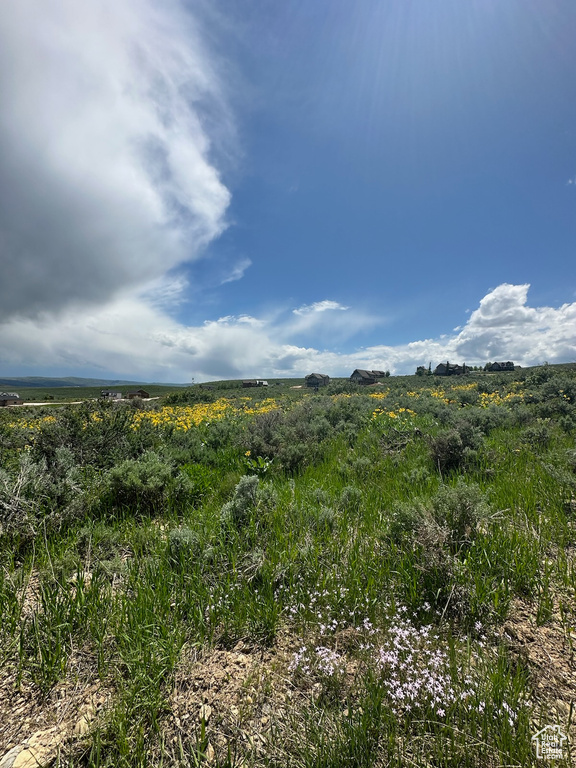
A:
(389, 537)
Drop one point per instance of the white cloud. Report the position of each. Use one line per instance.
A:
(319, 306)
(237, 272)
(328, 322)
(137, 340)
(504, 306)
(109, 116)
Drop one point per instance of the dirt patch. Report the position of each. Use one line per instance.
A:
(240, 694)
(32, 729)
(549, 652)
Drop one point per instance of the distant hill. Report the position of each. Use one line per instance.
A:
(70, 381)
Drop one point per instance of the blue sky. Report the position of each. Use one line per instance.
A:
(248, 187)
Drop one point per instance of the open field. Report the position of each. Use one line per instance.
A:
(68, 394)
(379, 576)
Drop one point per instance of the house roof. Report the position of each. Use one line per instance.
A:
(317, 376)
(364, 374)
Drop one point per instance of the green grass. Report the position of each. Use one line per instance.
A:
(68, 394)
(411, 538)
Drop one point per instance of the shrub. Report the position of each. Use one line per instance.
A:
(351, 499)
(33, 497)
(250, 500)
(182, 447)
(183, 545)
(466, 396)
(537, 436)
(299, 437)
(458, 509)
(447, 449)
(22, 498)
(191, 396)
(323, 521)
(362, 466)
(145, 485)
(434, 535)
(418, 476)
(404, 522)
(96, 434)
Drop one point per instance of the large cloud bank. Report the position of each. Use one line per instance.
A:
(106, 173)
(113, 128)
(129, 337)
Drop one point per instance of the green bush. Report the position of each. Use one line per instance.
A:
(537, 436)
(191, 396)
(323, 520)
(299, 437)
(183, 545)
(459, 509)
(93, 433)
(146, 485)
(447, 450)
(350, 499)
(432, 537)
(404, 521)
(34, 498)
(250, 503)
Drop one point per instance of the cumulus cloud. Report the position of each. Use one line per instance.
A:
(107, 173)
(504, 322)
(132, 339)
(503, 327)
(504, 306)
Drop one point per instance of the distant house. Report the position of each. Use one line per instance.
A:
(421, 370)
(379, 374)
(450, 369)
(508, 366)
(10, 398)
(317, 380)
(360, 376)
(139, 393)
(254, 383)
(109, 395)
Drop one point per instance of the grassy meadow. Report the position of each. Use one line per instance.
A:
(59, 395)
(359, 576)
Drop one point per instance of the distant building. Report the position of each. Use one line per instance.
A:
(360, 376)
(508, 366)
(139, 393)
(109, 395)
(449, 369)
(254, 383)
(379, 374)
(10, 398)
(317, 380)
